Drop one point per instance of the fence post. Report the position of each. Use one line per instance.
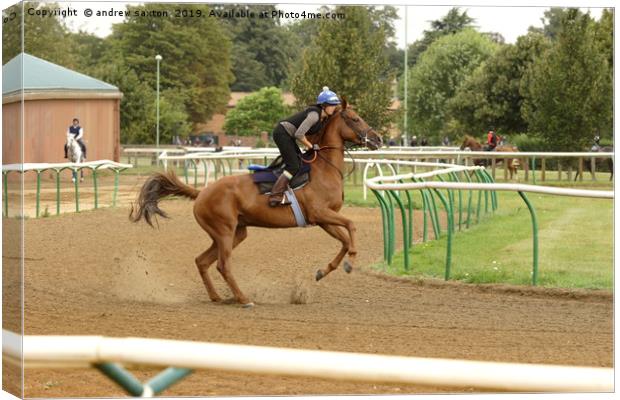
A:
(95, 187)
(77, 191)
(5, 179)
(122, 377)
(542, 167)
(450, 227)
(58, 191)
(534, 236)
(38, 195)
(405, 228)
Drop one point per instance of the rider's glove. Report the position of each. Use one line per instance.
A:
(316, 147)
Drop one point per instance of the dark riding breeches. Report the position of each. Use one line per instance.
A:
(288, 148)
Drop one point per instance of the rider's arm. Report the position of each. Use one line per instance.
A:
(79, 136)
(300, 134)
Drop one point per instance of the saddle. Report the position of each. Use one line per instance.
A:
(265, 177)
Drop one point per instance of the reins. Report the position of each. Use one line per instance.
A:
(362, 136)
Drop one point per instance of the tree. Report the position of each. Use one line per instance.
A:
(436, 77)
(262, 48)
(454, 21)
(568, 93)
(195, 51)
(552, 20)
(43, 36)
(349, 57)
(89, 51)
(490, 96)
(257, 112)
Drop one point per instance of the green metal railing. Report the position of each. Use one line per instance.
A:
(134, 387)
(459, 213)
(76, 170)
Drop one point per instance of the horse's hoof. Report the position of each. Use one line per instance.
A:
(248, 305)
(319, 275)
(347, 267)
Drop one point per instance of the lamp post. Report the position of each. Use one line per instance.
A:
(158, 58)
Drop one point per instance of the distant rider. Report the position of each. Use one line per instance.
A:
(491, 140)
(78, 132)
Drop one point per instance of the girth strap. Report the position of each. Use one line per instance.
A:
(299, 215)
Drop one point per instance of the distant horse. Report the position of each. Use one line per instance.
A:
(75, 155)
(512, 163)
(597, 148)
(226, 208)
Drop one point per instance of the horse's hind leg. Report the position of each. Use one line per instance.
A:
(209, 256)
(203, 262)
(339, 234)
(225, 245)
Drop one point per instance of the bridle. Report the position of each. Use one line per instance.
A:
(362, 136)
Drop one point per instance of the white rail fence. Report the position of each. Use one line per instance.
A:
(84, 351)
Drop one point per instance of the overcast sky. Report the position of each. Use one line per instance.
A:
(509, 21)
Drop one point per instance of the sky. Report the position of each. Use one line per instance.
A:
(510, 21)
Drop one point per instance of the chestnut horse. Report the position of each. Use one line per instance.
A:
(227, 207)
(474, 145)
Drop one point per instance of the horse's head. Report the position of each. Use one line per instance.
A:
(470, 142)
(356, 130)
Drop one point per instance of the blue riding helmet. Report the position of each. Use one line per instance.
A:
(328, 97)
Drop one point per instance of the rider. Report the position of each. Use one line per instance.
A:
(597, 144)
(295, 127)
(491, 140)
(78, 132)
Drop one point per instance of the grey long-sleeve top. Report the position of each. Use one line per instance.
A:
(311, 119)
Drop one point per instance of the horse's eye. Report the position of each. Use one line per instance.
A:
(356, 120)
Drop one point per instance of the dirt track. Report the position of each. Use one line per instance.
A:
(96, 273)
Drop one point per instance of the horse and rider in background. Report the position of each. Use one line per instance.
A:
(75, 149)
(492, 144)
(597, 148)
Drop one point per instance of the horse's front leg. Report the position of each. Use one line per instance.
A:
(338, 233)
(330, 217)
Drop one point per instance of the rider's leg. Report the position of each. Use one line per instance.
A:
(65, 151)
(289, 149)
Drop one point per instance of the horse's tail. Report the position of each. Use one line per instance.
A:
(157, 186)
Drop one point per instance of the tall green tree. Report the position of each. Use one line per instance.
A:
(256, 112)
(43, 36)
(262, 48)
(437, 76)
(454, 21)
(195, 51)
(490, 96)
(349, 57)
(568, 93)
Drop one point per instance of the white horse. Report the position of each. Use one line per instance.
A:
(75, 155)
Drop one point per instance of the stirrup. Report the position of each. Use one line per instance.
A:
(283, 202)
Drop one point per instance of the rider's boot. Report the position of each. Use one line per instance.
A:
(277, 197)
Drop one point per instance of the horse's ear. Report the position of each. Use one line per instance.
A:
(344, 103)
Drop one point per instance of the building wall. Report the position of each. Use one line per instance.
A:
(11, 136)
(46, 123)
